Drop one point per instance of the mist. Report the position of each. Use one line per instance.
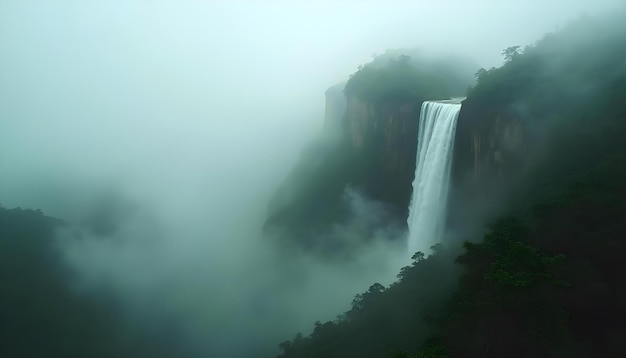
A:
(160, 130)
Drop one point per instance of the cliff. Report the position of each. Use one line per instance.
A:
(492, 149)
(384, 139)
(368, 143)
(335, 107)
(376, 152)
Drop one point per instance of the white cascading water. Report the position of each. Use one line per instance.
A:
(427, 211)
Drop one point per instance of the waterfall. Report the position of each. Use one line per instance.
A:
(427, 211)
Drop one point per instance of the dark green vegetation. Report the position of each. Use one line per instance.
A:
(371, 149)
(403, 76)
(40, 316)
(378, 321)
(547, 280)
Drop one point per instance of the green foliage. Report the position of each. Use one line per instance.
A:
(511, 53)
(418, 257)
(383, 320)
(533, 300)
(400, 80)
(515, 298)
(514, 264)
(521, 266)
(555, 72)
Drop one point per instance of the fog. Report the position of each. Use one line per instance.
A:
(160, 129)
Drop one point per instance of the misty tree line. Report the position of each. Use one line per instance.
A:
(41, 315)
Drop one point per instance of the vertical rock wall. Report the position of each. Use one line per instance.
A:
(384, 139)
(491, 151)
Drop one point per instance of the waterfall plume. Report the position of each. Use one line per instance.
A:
(427, 211)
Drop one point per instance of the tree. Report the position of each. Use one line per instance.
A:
(436, 248)
(480, 73)
(418, 257)
(511, 52)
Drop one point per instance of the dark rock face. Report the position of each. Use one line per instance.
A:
(385, 141)
(366, 147)
(491, 151)
(335, 107)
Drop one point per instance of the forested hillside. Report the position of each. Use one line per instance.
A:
(43, 316)
(547, 278)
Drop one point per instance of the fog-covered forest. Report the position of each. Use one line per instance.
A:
(288, 179)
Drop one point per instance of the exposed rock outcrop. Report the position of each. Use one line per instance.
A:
(385, 138)
(491, 151)
(335, 106)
